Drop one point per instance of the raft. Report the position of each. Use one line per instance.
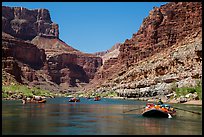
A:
(42, 101)
(164, 111)
(35, 101)
(97, 98)
(74, 100)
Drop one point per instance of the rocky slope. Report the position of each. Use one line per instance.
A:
(67, 65)
(24, 61)
(42, 60)
(111, 53)
(30, 65)
(166, 51)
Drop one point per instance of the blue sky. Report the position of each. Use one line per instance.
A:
(94, 26)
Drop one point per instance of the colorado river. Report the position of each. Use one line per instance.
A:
(88, 117)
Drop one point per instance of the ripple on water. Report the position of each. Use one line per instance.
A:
(106, 117)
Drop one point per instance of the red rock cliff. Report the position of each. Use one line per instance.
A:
(43, 59)
(163, 50)
(26, 24)
(164, 27)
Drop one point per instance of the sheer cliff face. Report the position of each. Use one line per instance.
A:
(166, 49)
(164, 27)
(21, 58)
(26, 24)
(66, 64)
(30, 64)
(153, 52)
(43, 59)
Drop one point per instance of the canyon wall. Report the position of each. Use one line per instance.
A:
(34, 54)
(26, 24)
(166, 51)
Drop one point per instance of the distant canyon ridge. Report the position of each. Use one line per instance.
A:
(166, 51)
(34, 54)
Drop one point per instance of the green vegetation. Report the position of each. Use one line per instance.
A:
(109, 94)
(4, 95)
(186, 90)
(11, 88)
(23, 90)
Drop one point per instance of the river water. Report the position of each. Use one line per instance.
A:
(88, 117)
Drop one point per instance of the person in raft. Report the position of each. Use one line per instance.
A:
(24, 100)
(160, 102)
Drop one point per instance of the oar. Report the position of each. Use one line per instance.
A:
(188, 111)
(169, 115)
(133, 109)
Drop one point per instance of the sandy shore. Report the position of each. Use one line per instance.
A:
(193, 102)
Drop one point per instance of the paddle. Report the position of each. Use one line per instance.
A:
(169, 115)
(188, 111)
(133, 109)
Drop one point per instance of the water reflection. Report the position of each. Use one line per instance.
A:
(106, 117)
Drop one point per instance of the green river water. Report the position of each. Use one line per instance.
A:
(88, 117)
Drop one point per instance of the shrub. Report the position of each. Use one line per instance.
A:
(186, 90)
(25, 90)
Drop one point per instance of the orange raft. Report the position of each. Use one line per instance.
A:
(74, 100)
(164, 110)
(97, 98)
(35, 101)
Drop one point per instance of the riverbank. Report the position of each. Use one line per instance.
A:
(193, 102)
(173, 101)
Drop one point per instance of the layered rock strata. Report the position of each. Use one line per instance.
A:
(66, 65)
(29, 65)
(26, 24)
(34, 54)
(111, 53)
(165, 52)
(16, 55)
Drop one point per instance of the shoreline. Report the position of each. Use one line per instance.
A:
(192, 102)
